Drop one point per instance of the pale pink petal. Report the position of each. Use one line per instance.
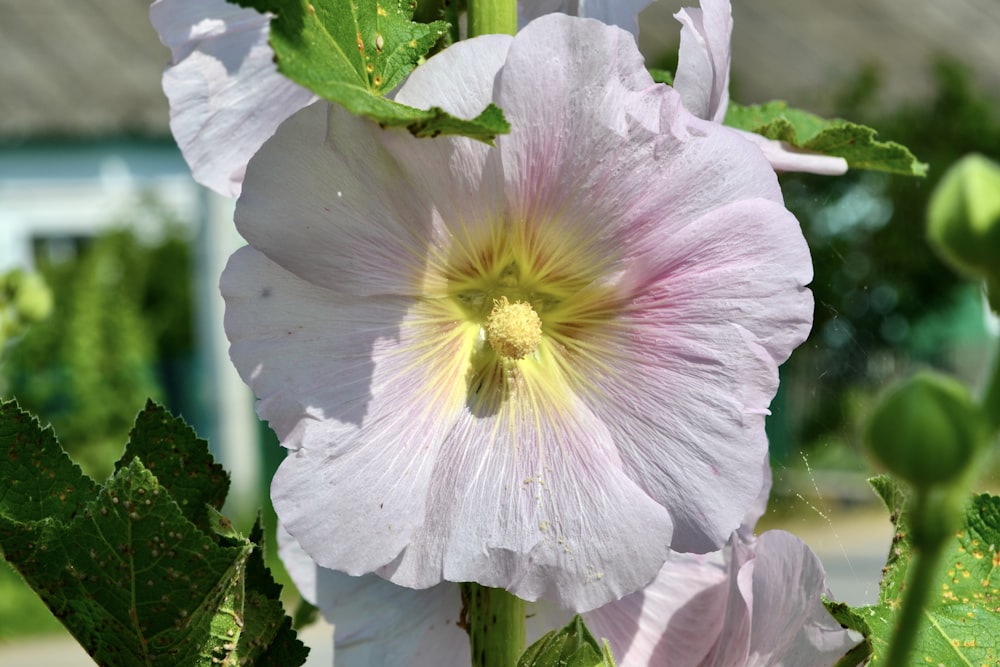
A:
(702, 79)
(787, 158)
(589, 94)
(759, 506)
(753, 604)
(791, 627)
(317, 362)
(474, 186)
(724, 302)
(226, 96)
(329, 204)
(579, 183)
(379, 623)
(733, 646)
(566, 525)
(622, 13)
(702, 76)
(673, 622)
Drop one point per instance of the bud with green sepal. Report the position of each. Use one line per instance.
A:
(963, 221)
(928, 431)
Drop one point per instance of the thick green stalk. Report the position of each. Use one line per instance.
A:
(932, 520)
(494, 620)
(487, 17)
(918, 591)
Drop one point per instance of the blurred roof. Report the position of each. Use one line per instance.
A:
(92, 68)
(806, 51)
(81, 68)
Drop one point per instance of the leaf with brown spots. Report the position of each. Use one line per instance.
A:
(123, 566)
(180, 460)
(962, 621)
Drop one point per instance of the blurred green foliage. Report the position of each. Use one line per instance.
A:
(122, 308)
(24, 300)
(884, 301)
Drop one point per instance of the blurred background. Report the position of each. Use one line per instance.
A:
(96, 200)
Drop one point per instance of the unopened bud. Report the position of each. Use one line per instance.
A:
(963, 218)
(927, 431)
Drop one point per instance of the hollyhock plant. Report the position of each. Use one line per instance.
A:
(537, 366)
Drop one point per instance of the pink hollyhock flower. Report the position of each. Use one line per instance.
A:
(702, 79)
(537, 366)
(226, 95)
(756, 603)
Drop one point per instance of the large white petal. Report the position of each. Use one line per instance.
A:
(226, 96)
(675, 621)
(328, 201)
(532, 498)
(377, 622)
(685, 380)
(333, 377)
(791, 626)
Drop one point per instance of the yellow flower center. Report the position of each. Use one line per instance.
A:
(514, 330)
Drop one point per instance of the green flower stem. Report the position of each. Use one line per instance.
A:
(931, 526)
(918, 591)
(494, 620)
(488, 17)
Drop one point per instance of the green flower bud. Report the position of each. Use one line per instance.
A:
(927, 431)
(963, 218)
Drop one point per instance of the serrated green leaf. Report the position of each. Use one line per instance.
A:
(267, 626)
(37, 479)
(962, 622)
(130, 577)
(849, 618)
(353, 52)
(572, 646)
(122, 566)
(181, 462)
(839, 138)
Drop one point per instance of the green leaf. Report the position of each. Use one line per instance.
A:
(180, 460)
(962, 623)
(573, 646)
(839, 138)
(123, 566)
(37, 478)
(353, 52)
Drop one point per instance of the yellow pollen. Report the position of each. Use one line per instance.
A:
(513, 329)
